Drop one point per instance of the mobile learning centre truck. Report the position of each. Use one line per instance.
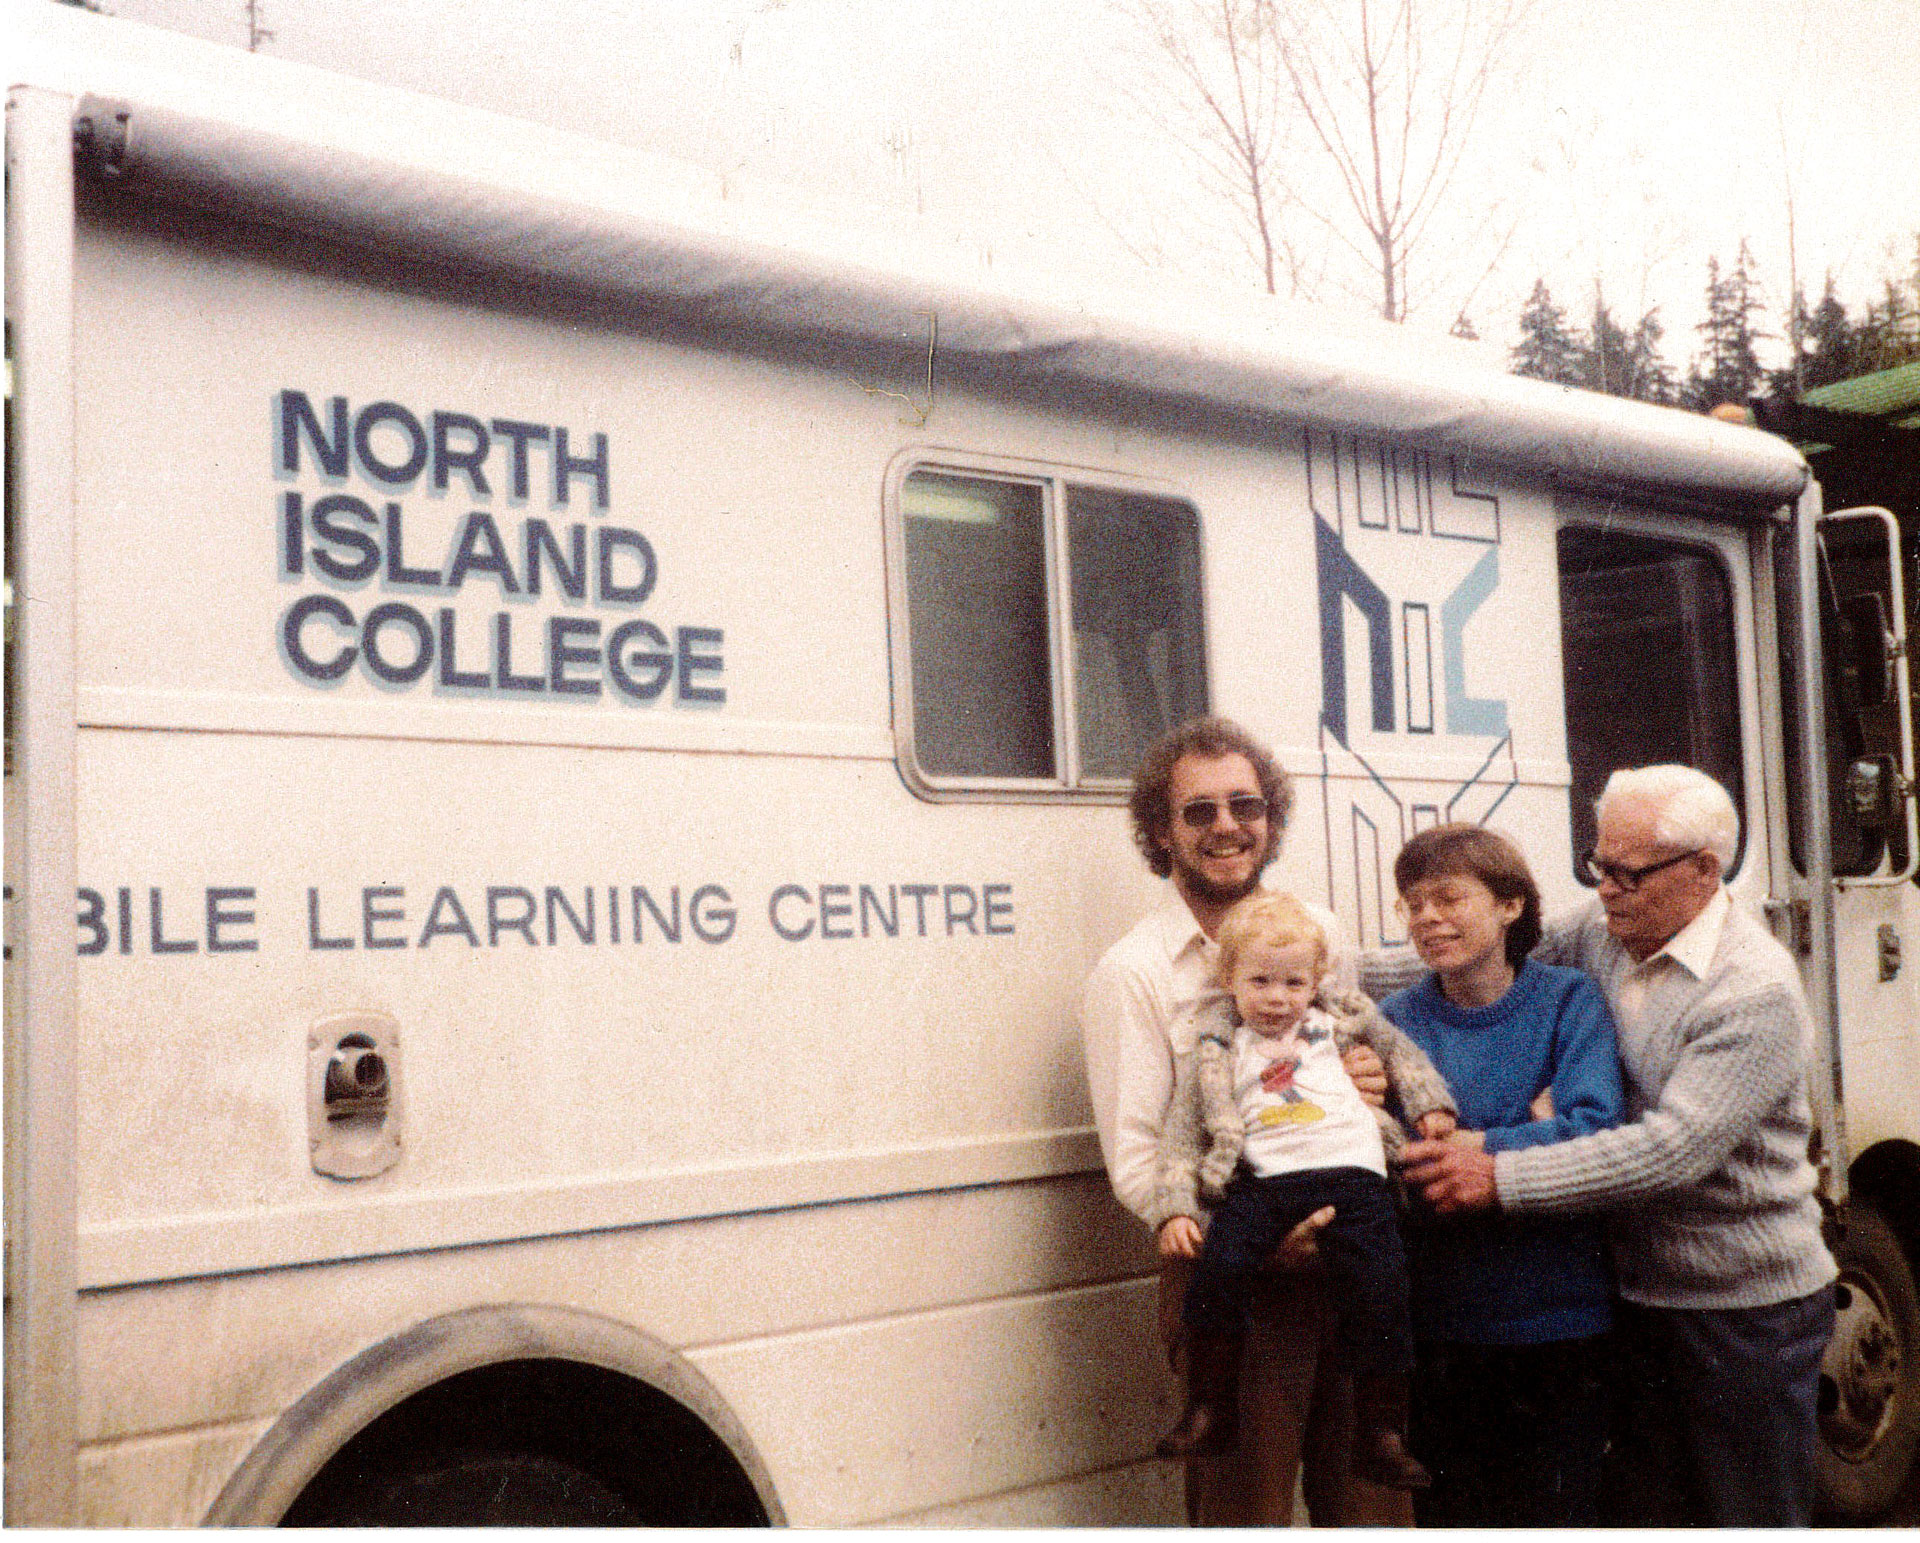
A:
(567, 745)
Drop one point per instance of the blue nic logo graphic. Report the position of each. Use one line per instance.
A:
(1406, 552)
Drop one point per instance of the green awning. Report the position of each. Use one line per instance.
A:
(1883, 394)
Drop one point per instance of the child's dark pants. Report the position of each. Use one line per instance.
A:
(1361, 1248)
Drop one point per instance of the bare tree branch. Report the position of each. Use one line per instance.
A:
(1219, 54)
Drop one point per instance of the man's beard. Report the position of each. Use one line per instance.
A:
(1202, 888)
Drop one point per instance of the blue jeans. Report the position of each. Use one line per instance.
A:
(1715, 1414)
(1360, 1246)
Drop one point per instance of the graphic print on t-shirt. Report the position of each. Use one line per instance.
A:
(1293, 1108)
(1300, 1107)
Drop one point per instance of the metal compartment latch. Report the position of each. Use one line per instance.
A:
(353, 1094)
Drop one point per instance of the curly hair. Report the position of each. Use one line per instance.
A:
(1448, 851)
(1209, 738)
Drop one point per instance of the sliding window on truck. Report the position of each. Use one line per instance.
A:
(1648, 653)
(1046, 629)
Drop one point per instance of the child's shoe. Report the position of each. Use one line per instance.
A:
(1380, 1435)
(1211, 1421)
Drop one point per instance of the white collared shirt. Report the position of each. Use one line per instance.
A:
(1691, 948)
(1137, 1014)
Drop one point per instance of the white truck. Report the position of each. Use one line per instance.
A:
(567, 739)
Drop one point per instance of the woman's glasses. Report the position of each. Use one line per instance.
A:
(1445, 901)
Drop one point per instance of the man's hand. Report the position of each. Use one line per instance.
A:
(1450, 1176)
(1300, 1248)
(1369, 1074)
(1180, 1238)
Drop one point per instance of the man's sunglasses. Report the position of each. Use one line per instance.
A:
(1628, 879)
(1202, 813)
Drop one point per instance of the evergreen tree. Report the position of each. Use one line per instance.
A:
(1728, 368)
(1463, 327)
(1889, 332)
(1829, 349)
(1604, 362)
(1606, 357)
(1649, 377)
(1548, 349)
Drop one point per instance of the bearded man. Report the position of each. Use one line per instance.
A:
(1209, 806)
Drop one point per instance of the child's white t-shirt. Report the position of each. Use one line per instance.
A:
(1313, 1118)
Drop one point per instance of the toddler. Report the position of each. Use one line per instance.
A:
(1265, 1120)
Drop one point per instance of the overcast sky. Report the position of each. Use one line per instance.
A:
(1628, 139)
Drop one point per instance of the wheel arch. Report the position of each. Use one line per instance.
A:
(1888, 1173)
(307, 1436)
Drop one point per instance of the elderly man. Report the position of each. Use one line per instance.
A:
(1726, 1284)
(1209, 805)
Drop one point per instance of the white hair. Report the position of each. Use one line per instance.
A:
(1691, 810)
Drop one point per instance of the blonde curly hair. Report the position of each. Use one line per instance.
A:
(1268, 917)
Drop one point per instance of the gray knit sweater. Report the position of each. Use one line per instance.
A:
(1709, 1183)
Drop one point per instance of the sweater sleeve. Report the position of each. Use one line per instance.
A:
(1383, 971)
(1569, 937)
(1416, 1086)
(1183, 1138)
(1585, 1081)
(1744, 1058)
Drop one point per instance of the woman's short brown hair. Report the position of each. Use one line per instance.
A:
(1447, 851)
(1210, 738)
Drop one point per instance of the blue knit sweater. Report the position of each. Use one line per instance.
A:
(1496, 1279)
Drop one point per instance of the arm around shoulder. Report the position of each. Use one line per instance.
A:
(1572, 937)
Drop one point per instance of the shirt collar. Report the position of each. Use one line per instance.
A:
(1178, 930)
(1695, 944)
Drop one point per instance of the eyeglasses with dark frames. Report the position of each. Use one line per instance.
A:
(1202, 813)
(1625, 878)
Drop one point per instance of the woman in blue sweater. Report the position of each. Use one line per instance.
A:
(1510, 1314)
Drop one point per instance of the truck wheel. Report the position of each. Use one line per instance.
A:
(1870, 1375)
(546, 1442)
(476, 1489)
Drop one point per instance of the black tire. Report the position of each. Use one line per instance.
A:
(532, 1443)
(1870, 1375)
(484, 1489)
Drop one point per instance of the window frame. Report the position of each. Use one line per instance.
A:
(1068, 784)
(1652, 524)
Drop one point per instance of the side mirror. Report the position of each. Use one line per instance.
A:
(1874, 792)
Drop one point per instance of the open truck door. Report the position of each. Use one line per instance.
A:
(1870, 1376)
